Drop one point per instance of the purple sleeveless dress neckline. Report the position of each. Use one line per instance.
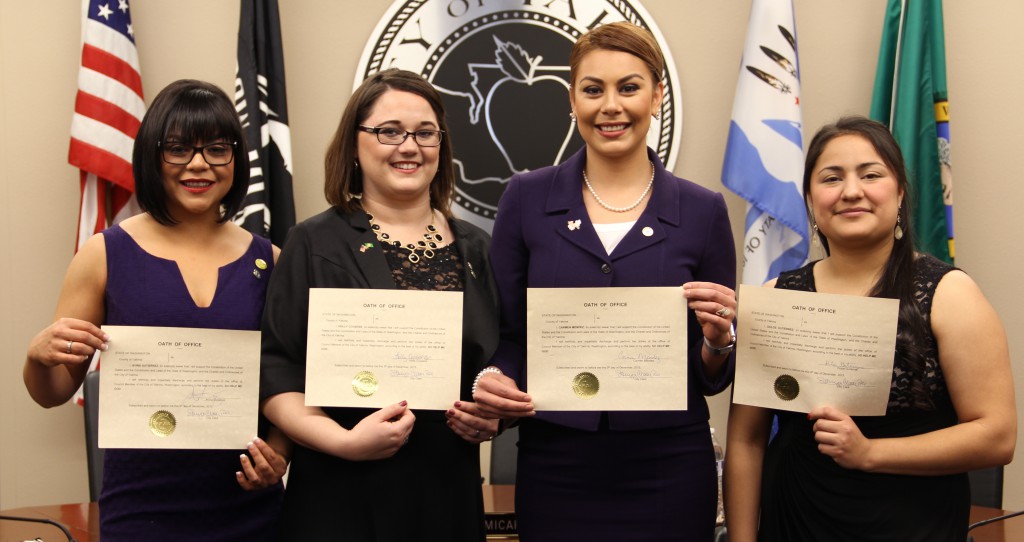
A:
(175, 495)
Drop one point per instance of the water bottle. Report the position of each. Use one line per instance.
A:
(719, 463)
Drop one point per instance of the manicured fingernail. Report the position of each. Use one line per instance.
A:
(106, 338)
(243, 457)
(238, 473)
(450, 412)
(404, 403)
(104, 346)
(458, 404)
(250, 445)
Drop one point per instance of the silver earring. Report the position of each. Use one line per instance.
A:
(814, 234)
(572, 116)
(898, 232)
(657, 115)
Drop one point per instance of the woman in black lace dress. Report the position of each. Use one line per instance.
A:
(382, 475)
(901, 476)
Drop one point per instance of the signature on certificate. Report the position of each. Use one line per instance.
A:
(200, 393)
(638, 356)
(637, 374)
(402, 356)
(411, 374)
(843, 383)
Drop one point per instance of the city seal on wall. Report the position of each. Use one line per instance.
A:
(502, 68)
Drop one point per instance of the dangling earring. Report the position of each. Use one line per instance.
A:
(572, 116)
(814, 234)
(898, 232)
(657, 115)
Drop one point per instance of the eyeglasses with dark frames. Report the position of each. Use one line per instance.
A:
(389, 135)
(180, 154)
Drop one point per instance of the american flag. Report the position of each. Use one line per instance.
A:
(108, 110)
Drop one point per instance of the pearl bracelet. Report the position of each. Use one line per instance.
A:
(484, 371)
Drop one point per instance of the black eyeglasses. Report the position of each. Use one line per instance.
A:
(180, 154)
(389, 135)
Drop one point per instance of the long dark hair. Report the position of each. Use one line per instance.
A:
(897, 279)
(192, 111)
(342, 177)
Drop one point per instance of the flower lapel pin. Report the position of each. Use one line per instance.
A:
(574, 224)
(365, 247)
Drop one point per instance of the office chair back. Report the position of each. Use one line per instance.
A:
(93, 453)
(504, 453)
(987, 487)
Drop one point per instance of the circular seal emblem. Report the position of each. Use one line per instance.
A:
(786, 387)
(162, 423)
(365, 384)
(502, 68)
(586, 385)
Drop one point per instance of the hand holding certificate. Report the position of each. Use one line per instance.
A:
(606, 348)
(800, 350)
(182, 388)
(372, 348)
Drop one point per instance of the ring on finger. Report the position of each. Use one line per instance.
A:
(724, 312)
(69, 346)
(477, 434)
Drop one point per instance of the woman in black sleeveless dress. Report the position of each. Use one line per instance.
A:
(901, 476)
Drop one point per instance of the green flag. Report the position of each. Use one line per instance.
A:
(910, 98)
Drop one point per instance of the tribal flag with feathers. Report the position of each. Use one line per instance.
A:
(108, 111)
(764, 158)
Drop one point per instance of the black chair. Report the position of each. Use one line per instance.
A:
(504, 454)
(987, 487)
(93, 453)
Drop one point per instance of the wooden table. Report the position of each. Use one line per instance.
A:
(83, 520)
(1010, 530)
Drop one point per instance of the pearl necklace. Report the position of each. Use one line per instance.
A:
(602, 203)
(431, 239)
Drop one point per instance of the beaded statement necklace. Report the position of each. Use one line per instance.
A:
(627, 208)
(431, 240)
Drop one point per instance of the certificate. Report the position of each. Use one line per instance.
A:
(372, 348)
(172, 387)
(801, 350)
(606, 348)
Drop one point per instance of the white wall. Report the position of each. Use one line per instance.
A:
(42, 457)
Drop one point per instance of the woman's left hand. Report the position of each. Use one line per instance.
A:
(266, 468)
(465, 419)
(839, 437)
(715, 308)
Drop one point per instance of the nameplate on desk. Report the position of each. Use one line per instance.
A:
(500, 524)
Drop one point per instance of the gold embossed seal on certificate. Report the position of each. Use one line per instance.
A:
(786, 387)
(586, 385)
(162, 423)
(365, 384)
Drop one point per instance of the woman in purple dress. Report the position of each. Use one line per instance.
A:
(622, 476)
(182, 263)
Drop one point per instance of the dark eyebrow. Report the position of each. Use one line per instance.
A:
(859, 167)
(428, 123)
(621, 80)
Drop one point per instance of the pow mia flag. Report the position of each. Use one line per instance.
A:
(261, 102)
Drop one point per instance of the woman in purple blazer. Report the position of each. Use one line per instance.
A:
(613, 216)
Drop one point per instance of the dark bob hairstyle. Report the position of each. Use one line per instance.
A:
(343, 179)
(192, 112)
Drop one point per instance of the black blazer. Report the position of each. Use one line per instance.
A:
(326, 251)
